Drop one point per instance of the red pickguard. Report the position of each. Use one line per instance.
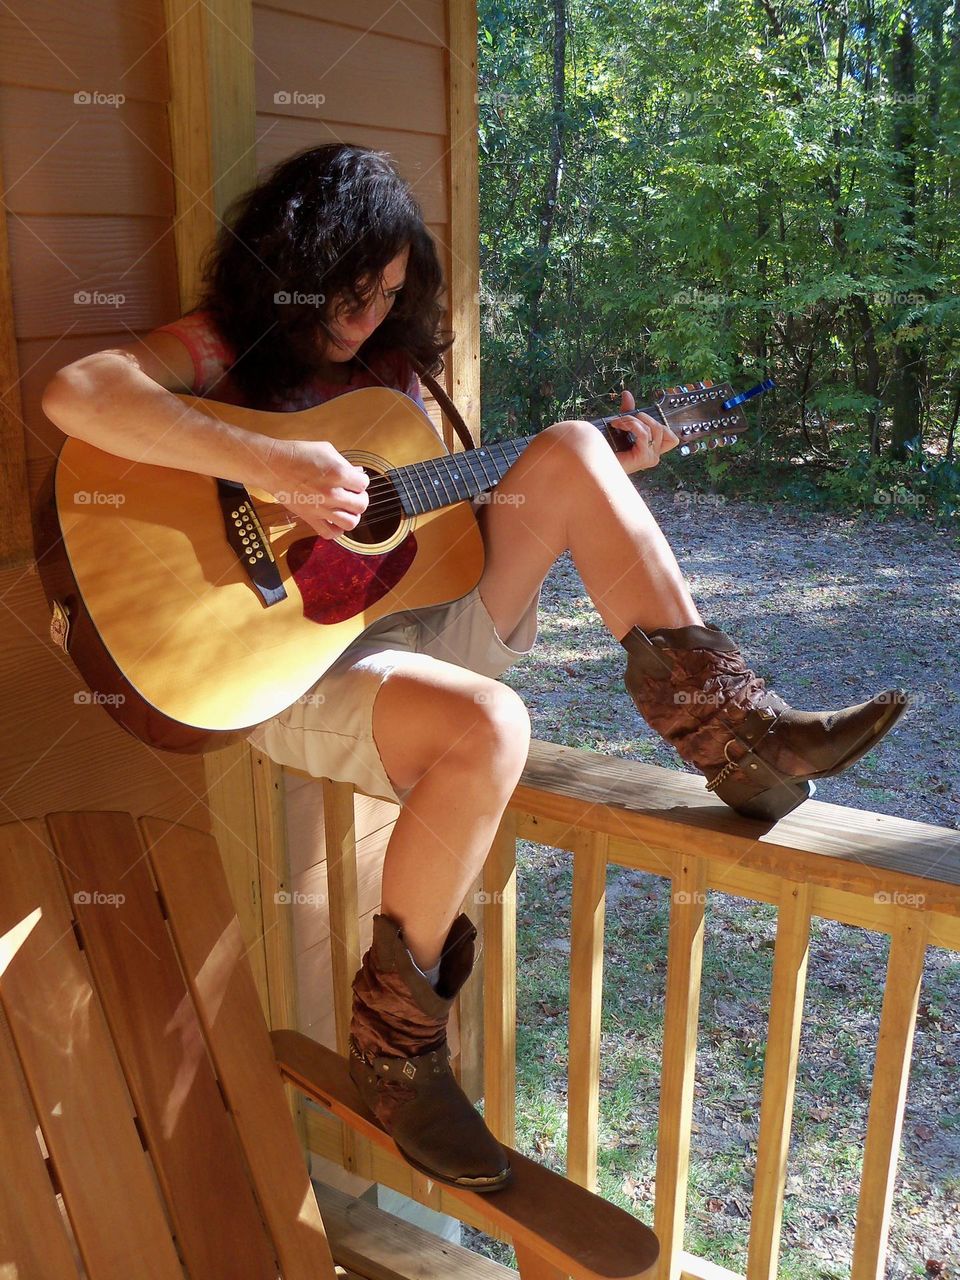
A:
(337, 584)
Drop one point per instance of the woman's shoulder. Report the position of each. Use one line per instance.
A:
(212, 354)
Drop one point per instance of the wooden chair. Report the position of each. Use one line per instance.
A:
(144, 1125)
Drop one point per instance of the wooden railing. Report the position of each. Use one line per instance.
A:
(884, 874)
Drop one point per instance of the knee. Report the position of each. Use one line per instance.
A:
(499, 734)
(480, 730)
(573, 439)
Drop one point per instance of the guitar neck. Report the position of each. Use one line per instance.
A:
(457, 477)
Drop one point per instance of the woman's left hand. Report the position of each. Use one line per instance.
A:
(651, 438)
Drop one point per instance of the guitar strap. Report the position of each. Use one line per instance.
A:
(448, 408)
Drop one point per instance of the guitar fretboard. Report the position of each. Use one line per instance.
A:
(439, 482)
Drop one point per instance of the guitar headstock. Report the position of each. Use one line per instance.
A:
(697, 413)
(705, 415)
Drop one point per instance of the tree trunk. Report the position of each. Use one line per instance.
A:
(546, 217)
(908, 357)
(872, 383)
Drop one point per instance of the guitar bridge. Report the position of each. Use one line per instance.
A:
(247, 538)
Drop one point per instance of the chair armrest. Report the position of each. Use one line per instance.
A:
(570, 1229)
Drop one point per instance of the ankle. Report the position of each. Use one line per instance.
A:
(432, 974)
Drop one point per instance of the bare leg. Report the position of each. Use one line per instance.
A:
(460, 741)
(569, 491)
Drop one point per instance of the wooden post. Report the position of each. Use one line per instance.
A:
(213, 148)
(888, 1091)
(681, 1016)
(463, 359)
(277, 909)
(586, 994)
(500, 981)
(779, 1079)
(16, 537)
(340, 843)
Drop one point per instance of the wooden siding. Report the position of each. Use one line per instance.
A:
(89, 209)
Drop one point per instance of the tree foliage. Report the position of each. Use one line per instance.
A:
(727, 189)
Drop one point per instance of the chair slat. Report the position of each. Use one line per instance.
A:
(207, 936)
(72, 1073)
(33, 1239)
(159, 1041)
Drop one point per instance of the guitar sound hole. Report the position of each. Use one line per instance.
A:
(383, 514)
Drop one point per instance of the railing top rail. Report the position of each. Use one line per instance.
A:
(668, 809)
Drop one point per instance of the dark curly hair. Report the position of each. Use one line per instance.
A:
(323, 224)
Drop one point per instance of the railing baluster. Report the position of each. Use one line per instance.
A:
(340, 844)
(586, 994)
(500, 982)
(681, 1016)
(779, 1079)
(888, 1093)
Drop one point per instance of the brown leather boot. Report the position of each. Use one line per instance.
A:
(758, 754)
(400, 1061)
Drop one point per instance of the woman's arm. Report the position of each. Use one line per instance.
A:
(120, 401)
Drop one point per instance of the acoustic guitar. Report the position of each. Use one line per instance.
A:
(195, 609)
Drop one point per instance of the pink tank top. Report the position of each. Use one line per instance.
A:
(212, 358)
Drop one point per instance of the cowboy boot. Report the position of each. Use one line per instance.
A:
(757, 753)
(400, 1061)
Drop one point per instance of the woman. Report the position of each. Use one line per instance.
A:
(324, 281)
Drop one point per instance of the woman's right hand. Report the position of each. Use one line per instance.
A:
(317, 484)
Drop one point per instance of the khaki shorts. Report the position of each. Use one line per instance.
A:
(328, 732)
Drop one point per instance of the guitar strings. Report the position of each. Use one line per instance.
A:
(392, 499)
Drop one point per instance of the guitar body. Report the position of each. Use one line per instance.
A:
(158, 612)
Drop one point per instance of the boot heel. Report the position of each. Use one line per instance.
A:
(767, 806)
